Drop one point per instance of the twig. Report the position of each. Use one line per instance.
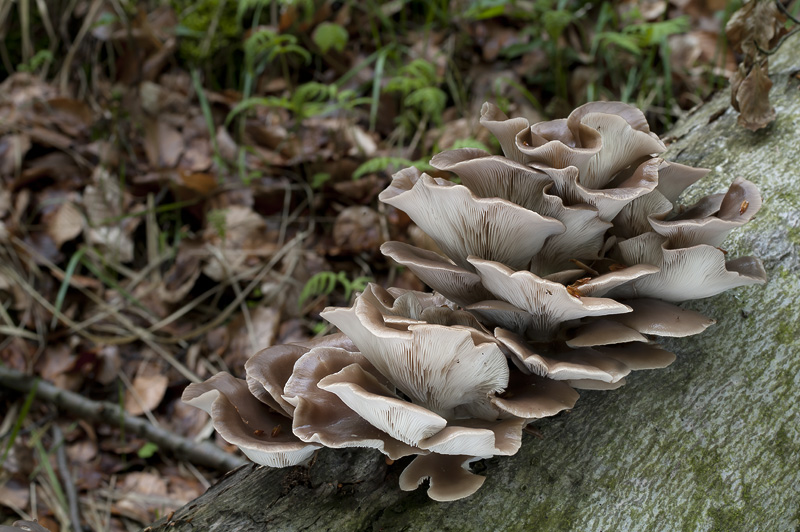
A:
(786, 12)
(66, 479)
(205, 454)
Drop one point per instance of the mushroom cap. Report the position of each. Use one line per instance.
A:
(463, 224)
(448, 476)
(437, 367)
(323, 417)
(685, 273)
(549, 304)
(263, 435)
(27, 526)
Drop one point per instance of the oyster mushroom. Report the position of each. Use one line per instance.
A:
(561, 263)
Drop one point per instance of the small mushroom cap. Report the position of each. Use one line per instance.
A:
(651, 316)
(485, 438)
(431, 308)
(608, 201)
(492, 176)
(448, 476)
(600, 139)
(263, 436)
(635, 217)
(603, 284)
(551, 144)
(568, 365)
(532, 397)
(588, 384)
(505, 130)
(674, 178)
(603, 332)
(639, 356)
(267, 373)
(698, 226)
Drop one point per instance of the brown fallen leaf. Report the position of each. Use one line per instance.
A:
(14, 494)
(358, 229)
(65, 224)
(143, 496)
(163, 144)
(146, 393)
(240, 238)
(750, 96)
(265, 322)
(12, 149)
(758, 24)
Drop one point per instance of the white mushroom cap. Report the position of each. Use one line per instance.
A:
(492, 176)
(599, 139)
(484, 438)
(608, 201)
(673, 178)
(566, 365)
(364, 395)
(695, 226)
(504, 129)
(533, 397)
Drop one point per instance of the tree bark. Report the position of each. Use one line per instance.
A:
(710, 443)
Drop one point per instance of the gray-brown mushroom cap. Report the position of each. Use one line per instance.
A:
(448, 477)
(264, 436)
(454, 282)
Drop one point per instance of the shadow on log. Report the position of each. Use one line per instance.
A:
(710, 443)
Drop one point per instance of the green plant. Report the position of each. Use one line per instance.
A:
(324, 283)
(381, 164)
(417, 83)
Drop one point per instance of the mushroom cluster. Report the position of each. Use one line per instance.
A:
(558, 265)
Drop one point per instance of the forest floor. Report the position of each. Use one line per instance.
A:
(186, 184)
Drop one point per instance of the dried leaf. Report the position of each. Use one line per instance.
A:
(146, 393)
(65, 224)
(751, 97)
(758, 24)
(162, 143)
(145, 495)
(358, 229)
(14, 494)
(12, 149)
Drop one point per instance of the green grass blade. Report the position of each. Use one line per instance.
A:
(23, 413)
(62, 290)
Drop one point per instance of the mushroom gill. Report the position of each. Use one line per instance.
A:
(562, 262)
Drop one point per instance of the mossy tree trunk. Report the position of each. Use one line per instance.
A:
(710, 443)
